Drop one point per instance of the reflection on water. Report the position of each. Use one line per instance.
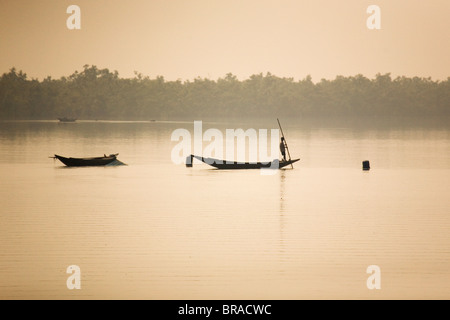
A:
(154, 230)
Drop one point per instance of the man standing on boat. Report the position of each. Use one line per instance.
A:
(283, 149)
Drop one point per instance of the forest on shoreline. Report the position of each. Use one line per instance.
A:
(100, 94)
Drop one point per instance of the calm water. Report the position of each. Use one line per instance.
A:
(156, 230)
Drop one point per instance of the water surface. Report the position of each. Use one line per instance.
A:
(156, 230)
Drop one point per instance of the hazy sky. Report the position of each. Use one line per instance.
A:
(183, 39)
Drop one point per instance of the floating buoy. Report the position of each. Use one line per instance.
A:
(366, 165)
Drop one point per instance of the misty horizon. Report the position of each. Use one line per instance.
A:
(188, 39)
(101, 94)
(309, 77)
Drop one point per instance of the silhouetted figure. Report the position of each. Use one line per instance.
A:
(283, 149)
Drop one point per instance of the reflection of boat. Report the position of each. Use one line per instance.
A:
(86, 162)
(228, 165)
(67, 119)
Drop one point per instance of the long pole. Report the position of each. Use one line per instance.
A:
(285, 143)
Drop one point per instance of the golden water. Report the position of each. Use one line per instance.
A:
(155, 230)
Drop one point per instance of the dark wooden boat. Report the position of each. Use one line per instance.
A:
(87, 162)
(228, 165)
(67, 119)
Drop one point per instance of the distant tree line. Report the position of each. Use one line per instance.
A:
(101, 94)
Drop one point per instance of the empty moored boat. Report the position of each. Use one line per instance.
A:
(87, 162)
(67, 119)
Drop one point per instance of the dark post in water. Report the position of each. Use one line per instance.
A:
(366, 165)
